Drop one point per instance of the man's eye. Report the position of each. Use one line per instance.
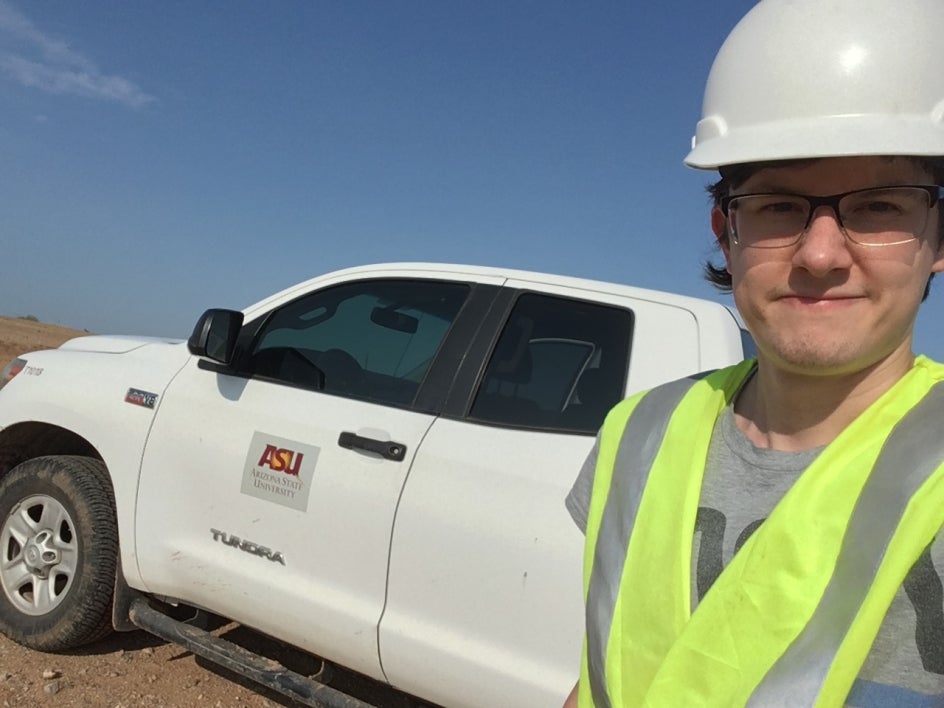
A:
(770, 206)
(780, 207)
(887, 203)
(882, 207)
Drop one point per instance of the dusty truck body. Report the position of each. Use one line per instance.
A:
(369, 466)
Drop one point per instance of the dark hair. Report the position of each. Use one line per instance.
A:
(733, 176)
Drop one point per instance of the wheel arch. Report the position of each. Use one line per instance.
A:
(24, 441)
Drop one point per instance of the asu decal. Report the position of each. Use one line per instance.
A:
(278, 459)
(279, 470)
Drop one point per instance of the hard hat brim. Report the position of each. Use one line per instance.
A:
(715, 145)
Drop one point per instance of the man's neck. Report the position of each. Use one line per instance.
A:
(786, 410)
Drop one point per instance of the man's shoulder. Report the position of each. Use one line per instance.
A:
(933, 369)
(668, 395)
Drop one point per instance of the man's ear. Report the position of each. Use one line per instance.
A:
(719, 225)
(938, 265)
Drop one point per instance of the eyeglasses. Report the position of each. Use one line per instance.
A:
(879, 216)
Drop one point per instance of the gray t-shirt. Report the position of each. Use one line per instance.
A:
(742, 484)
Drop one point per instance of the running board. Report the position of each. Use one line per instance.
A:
(267, 672)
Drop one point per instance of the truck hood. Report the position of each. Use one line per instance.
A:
(113, 344)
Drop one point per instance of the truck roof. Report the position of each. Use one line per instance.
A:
(491, 273)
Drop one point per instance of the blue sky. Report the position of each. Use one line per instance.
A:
(161, 158)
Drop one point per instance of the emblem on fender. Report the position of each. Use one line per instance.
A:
(247, 546)
(138, 397)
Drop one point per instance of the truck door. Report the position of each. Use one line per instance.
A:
(267, 492)
(493, 597)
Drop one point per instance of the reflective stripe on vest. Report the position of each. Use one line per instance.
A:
(883, 535)
(911, 454)
(638, 446)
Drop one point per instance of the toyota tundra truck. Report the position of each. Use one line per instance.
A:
(369, 467)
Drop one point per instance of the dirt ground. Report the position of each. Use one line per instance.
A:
(19, 335)
(135, 668)
(132, 669)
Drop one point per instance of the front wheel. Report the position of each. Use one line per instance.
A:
(58, 552)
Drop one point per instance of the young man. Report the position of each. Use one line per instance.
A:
(768, 534)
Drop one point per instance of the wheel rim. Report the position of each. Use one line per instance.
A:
(38, 554)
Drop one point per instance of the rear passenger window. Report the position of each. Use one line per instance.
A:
(372, 340)
(559, 364)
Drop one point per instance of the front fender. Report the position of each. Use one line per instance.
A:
(93, 403)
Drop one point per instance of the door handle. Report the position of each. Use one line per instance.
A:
(385, 448)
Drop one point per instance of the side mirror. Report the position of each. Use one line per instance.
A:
(214, 336)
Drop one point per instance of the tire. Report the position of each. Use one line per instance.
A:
(58, 552)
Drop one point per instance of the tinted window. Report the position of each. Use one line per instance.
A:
(372, 340)
(559, 364)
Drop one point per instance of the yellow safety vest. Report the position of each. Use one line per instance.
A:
(792, 617)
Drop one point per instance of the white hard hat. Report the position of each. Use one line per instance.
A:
(823, 78)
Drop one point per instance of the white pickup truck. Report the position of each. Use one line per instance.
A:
(369, 466)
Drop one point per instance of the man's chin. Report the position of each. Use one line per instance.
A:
(817, 360)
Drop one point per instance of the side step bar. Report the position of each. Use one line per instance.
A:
(268, 672)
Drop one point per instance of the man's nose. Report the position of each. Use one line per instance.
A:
(823, 247)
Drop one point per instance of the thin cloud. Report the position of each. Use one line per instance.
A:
(63, 80)
(50, 65)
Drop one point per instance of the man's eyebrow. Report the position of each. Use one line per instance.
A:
(768, 188)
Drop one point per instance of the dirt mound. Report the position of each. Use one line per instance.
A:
(19, 335)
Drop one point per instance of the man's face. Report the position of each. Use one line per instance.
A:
(826, 305)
